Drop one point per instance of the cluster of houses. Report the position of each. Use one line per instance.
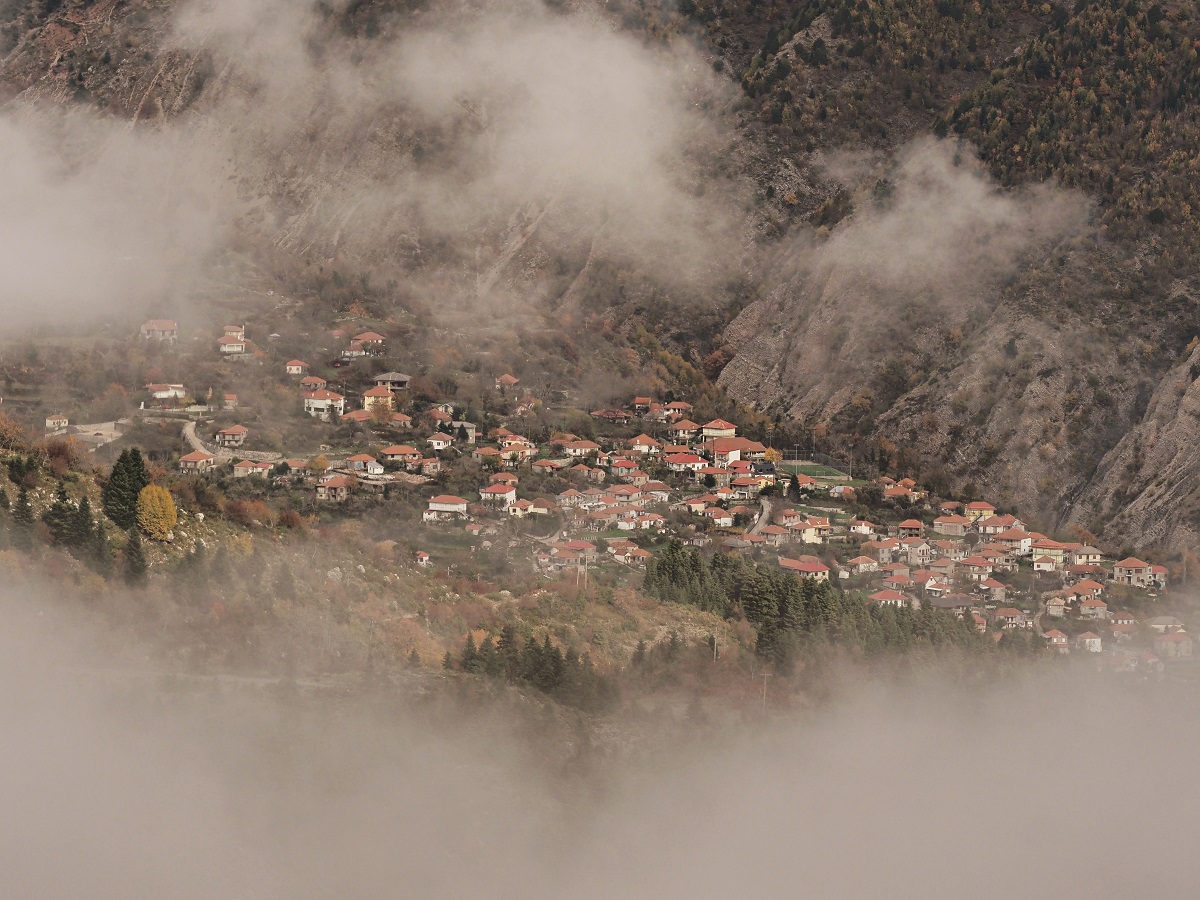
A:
(379, 400)
(704, 483)
(232, 341)
(960, 558)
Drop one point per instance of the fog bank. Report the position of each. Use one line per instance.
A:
(1043, 786)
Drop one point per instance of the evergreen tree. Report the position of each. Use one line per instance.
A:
(136, 567)
(490, 662)
(139, 477)
(509, 652)
(414, 659)
(118, 497)
(60, 515)
(23, 514)
(82, 524)
(469, 661)
(448, 661)
(5, 503)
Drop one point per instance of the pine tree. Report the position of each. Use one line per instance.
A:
(490, 662)
(80, 528)
(156, 514)
(118, 497)
(135, 559)
(138, 476)
(23, 514)
(414, 659)
(470, 661)
(448, 661)
(509, 652)
(5, 503)
(60, 515)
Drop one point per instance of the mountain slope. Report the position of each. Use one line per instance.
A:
(731, 180)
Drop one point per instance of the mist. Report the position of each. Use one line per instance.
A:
(441, 146)
(99, 218)
(1049, 782)
(938, 222)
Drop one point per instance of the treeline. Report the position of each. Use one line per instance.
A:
(568, 677)
(795, 615)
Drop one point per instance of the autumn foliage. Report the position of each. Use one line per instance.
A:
(156, 515)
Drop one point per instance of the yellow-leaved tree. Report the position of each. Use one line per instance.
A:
(156, 514)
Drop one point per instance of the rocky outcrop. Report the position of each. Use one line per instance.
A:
(1146, 491)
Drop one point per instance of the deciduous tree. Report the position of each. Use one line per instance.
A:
(156, 515)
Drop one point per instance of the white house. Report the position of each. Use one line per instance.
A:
(166, 391)
(161, 330)
(444, 506)
(324, 404)
(504, 494)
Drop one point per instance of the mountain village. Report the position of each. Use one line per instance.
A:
(655, 470)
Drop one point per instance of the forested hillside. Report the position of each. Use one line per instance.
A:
(781, 195)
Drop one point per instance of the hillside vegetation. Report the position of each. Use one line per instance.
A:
(808, 225)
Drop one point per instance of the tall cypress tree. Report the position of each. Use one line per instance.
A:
(135, 559)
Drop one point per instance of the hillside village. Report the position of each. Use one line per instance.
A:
(654, 471)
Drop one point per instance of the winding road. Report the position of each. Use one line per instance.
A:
(764, 519)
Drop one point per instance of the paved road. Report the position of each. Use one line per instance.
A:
(764, 519)
(1037, 619)
(193, 439)
(189, 435)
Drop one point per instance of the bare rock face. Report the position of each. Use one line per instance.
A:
(1146, 491)
(1014, 387)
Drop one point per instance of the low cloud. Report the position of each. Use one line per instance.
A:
(435, 149)
(939, 223)
(119, 784)
(97, 218)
